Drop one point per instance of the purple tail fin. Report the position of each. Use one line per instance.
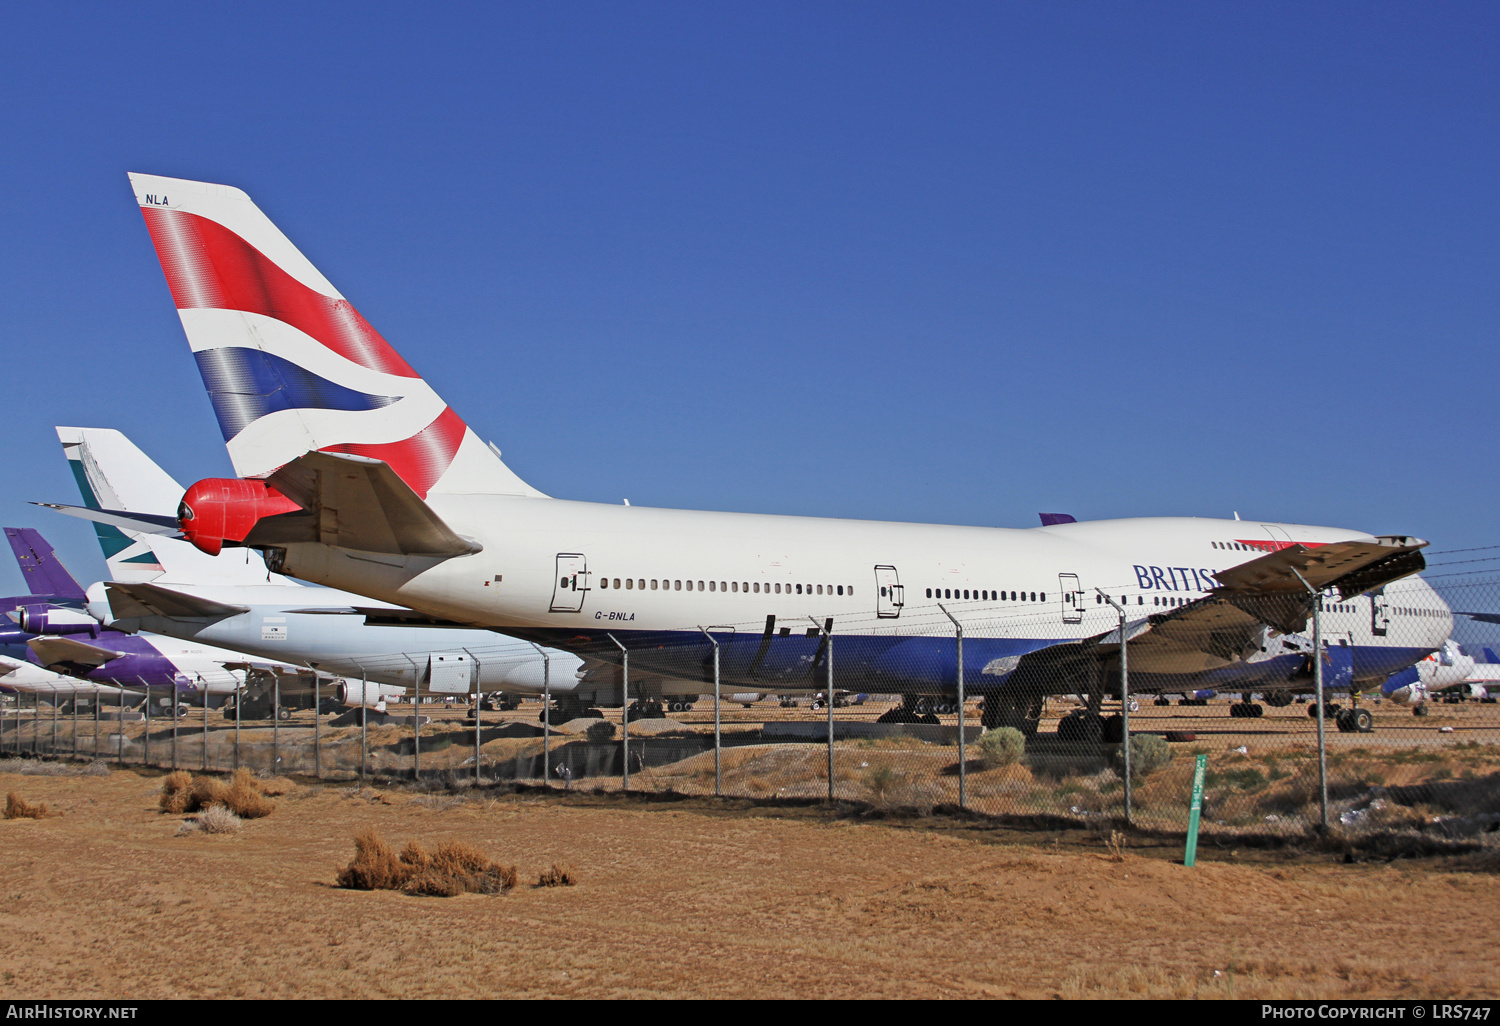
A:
(39, 565)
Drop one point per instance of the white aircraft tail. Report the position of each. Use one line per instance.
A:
(113, 474)
(290, 365)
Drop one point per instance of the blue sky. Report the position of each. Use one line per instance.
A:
(954, 263)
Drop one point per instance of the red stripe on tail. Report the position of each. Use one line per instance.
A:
(421, 459)
(208, 266)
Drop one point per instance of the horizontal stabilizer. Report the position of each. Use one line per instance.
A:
(52, 650)
(361, 503)
(140, 523)
(133, 601)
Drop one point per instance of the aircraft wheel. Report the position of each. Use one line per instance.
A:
(1342, 722)
(1420, 710)
(1255, 711)
(1361, 721)
(1162, 701)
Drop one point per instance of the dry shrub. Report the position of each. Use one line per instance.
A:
(176, 792)
(216, 819)
(17, 808)
(560, 875)
(375, 866)
(244, 797)
(182, 792)
(454, 868)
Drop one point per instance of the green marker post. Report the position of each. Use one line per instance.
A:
(1195, 811)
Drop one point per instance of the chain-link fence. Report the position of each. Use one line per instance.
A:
(868, 709)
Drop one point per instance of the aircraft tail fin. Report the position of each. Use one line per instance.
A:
(290, 366)
(114, 474)
(44, 573)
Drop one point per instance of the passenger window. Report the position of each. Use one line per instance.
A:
(841, 589)
(629, 583)
(653, 584)
(820, 589)
(676, 585)
(700, 585)
(712, 586)
(723, 586)
(799, 589)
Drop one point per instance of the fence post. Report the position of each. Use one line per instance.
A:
(275, 722)
(963, 761)
(239, 702)
(53, 747)
(75, 725)
(204, 684)
(1124, 703)
(478, 672)
(416, 719)
(98, 703)
(546, 713)
(828, 695)
(718, 750)
(120, 732)
(147, 757)
(1317, 620)
(317, 725)
(174, 726)
(624, 716)
(364, 722)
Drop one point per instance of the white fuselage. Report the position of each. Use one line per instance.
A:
(575, 573)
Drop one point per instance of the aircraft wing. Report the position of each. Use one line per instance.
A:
(361, 503)
(133, 601)
(52, 650)
(1233, 622)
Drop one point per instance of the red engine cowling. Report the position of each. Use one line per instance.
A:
(225, 509)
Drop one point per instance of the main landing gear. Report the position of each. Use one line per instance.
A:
(913, 709)
(1246, 710)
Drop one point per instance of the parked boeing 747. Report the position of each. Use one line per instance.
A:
(354, 473)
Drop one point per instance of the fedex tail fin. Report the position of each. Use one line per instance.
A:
(44, 574)
(290, 365)
(114, 474)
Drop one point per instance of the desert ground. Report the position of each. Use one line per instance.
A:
(106, 898)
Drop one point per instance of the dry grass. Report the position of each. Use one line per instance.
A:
(560, 875)
(181, 792)
(454, 868)
(16, 807)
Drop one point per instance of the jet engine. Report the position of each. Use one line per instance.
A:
(356, 694)
(1406, 688)
(1445, 667)
(47, 619)
(222, 509)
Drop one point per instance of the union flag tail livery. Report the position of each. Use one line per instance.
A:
(290, 365)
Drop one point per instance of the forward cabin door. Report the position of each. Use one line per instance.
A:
(1072, 598)
(890, 596)
(1380, 614)
(570, 583)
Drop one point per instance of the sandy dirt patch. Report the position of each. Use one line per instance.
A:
(689, 898)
